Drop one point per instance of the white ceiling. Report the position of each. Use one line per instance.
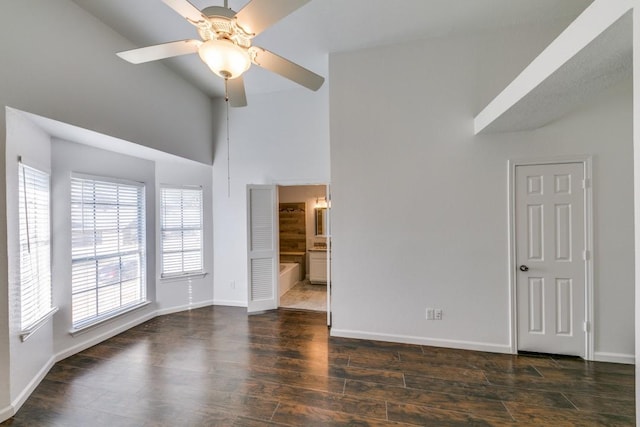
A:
(323, 26)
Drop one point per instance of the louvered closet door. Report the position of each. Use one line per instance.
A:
(262, 246)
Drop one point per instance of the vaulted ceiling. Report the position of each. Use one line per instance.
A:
(321, 27)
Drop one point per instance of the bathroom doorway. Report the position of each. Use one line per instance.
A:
(304, 245)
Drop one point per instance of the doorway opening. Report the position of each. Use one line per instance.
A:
(303, 247)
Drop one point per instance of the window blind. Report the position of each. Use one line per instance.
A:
(35, 252)
(107, 248)
(181, 211)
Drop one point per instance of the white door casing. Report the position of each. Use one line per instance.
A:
(551, 237)
(262, 247)
(277, 235)
(328, 233)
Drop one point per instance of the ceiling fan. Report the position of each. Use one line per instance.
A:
(226, 43)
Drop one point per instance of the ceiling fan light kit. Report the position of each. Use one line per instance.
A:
(225, 58)
(226, 43)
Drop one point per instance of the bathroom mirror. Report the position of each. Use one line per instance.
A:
(321, 221)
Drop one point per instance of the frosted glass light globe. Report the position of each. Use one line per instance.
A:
(225, 58)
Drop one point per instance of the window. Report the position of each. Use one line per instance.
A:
(181, 210)
(35, 252)
(107, 248)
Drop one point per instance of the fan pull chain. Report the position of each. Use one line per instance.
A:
(226, 101)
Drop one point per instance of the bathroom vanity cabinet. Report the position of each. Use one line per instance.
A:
(318, 266)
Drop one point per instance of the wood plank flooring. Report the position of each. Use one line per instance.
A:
(218, 366)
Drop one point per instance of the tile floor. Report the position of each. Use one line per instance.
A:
(305, 296)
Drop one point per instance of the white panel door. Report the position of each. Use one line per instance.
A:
(550, 270)
(262, 247)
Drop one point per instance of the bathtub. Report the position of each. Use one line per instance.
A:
(289, 275)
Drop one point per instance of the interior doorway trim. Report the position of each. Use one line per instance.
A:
(327, 185)
(589, 302)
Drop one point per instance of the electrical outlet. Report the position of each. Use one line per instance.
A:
(438, 314)
(430, 314)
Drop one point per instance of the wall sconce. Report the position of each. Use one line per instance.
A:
(321, 202)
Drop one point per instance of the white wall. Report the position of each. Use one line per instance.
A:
(62, 65)
(636, 163)
(29, 361)
(68, 158)
(437, 234)
(172, 294)
(27, 358)
(280, 138)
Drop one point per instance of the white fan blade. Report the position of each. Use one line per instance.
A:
(186, 10)
(258, 15)
(160, 51)
(286, 68)
(236, 93)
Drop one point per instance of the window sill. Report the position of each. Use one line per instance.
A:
(85, 327)
(26, 333)
(183, 277)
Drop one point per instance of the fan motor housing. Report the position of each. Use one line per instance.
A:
(212, 11)
(222, 25)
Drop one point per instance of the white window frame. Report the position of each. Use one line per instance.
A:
(165, 228)
(34, 209)
(79, 256)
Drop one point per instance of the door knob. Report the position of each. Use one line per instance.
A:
(524, 268)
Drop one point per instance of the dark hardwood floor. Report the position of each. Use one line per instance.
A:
(217, 366)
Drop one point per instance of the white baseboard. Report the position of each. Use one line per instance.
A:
(171, 310)
(122, 328)
(6, 413)
(104, 336)
(9, 411)
(628, 359)
(433, 342)
(230, 303)
(26, 392)
(35, 381)
(601, 356)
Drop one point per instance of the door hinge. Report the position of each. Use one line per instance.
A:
(586, 183)
(586, 326)
(586, 255)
